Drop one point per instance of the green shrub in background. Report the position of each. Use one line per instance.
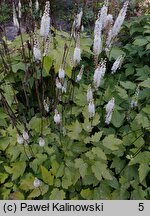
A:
(82, 158)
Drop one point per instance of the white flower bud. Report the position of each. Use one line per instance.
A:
(20, 139)
(57, 118)
(25, 135)
(61, 73)
(36, 183)
(41, 142)
(91, 109)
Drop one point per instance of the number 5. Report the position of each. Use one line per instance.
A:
(141, 206)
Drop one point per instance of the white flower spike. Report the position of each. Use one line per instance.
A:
(117, 64)
(91, 109)
(99, 74)
(45, 21)
(109, 110)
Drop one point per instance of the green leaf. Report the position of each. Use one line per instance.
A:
(111, 142)
(99, 153)
(128, 85)
(96, 120)
(115, 52)
(35, 193)
(96, 137)
(4, 142)
(18, 169)
(145, 83)
(144, 169)
(100, 170)
(75, 129)
(122, 92)
(87, 194)
(142, 119)
(117, 118)
(141, 158)
(82, 166)
(3, 177)
(140, 42)
(57, 194)
(47, 64)
(47, 176)
(19, 66)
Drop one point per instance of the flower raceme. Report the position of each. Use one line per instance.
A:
(45, 21)
(36, 50)
(109, 110)
(79, 76)
(91, 109)
(15, 20)
(116, 64)
(117, 25)
(99, 74)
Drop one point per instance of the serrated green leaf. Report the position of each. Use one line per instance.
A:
(96, 137)
(87, 194)
(18, 169)
(47, 176)
(144, 169)
(117, 118)
(82, 166)
(128, 85)
(100, 170)
(140, 42)
(3, 177)
(57, 194)
(99, 153)
(111, 142)
(75, 129)
(145, 83)
(142, 119)
(35, 193)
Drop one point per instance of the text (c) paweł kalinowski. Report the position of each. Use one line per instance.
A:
(61, 207)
